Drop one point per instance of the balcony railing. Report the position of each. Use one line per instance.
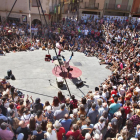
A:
(91, 6)
(87, 5)
(117, 7)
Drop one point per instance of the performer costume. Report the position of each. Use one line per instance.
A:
(66, 63)
(59, 47)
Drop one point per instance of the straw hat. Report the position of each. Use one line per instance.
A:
(57, 125)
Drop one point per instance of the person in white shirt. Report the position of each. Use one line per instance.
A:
(86, 32)
(101, 124)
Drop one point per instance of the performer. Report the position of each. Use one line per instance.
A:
(66, 63)
(62, 40)
(60, 46)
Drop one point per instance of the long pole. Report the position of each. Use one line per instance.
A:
(62, 71)
(11, 9)
(42, 12)
(38, 9)
(56, 53)
(30, 19)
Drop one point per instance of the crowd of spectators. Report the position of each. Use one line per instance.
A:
(112, 111)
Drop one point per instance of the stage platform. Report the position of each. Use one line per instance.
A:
(36, 77)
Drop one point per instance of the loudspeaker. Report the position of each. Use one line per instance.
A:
(12, 77)
(79, 83)
(9, 72)
(7, 77)
(59, 81)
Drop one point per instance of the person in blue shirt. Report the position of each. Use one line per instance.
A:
(114, 107)
(66, 122)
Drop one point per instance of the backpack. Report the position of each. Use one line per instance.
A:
(68, 107)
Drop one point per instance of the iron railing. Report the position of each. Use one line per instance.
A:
(118, 7)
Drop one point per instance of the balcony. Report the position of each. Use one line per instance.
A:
(91, 6)
(87, 5)
(53, 9)
(117, 7)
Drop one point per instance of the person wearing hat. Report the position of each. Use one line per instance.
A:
(6, 134)
(59, 129)
(49, 114)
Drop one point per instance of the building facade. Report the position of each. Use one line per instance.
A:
(118, 7)
(56, 10)
(135, 11)
(21, 12)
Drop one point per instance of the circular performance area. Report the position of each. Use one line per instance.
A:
(72, 74)
(37, 78)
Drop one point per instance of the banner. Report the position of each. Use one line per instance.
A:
(66, 1)
(59, 9)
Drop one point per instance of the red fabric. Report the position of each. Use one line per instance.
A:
(127, 109)
(111, 100)
(18, 107)
(113, 92)
(77, 135)
(128, 96)
(60, 132)
(74, 103)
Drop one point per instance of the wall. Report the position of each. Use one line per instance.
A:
(136, 5)
(22, 8)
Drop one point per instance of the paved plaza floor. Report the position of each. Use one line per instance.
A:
(34, 76)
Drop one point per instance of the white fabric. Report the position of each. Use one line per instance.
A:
(54, 108)
(99, 126)
(51, 136)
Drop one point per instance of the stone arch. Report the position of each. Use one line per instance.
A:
(36, 21)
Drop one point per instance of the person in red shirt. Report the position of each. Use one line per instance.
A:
(128, 96)
(60, 130)
(75, 132)
(127, 108)
(114, 91)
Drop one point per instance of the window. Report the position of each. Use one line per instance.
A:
(35, 3)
